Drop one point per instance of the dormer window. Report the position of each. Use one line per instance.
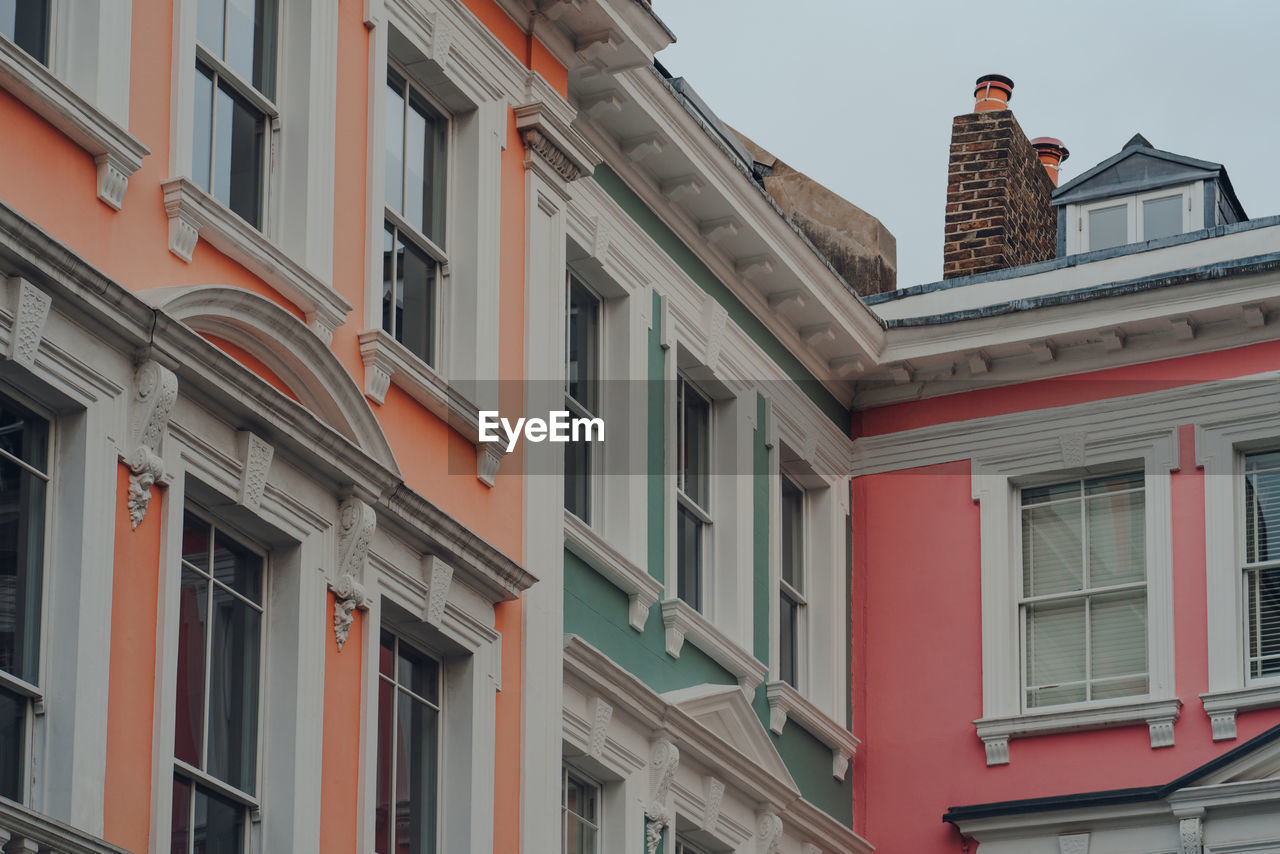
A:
(1136, 218)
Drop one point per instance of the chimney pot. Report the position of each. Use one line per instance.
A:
(1052, 153)
(992, 92)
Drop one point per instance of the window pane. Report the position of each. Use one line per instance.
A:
(220, 180)
(1108, 227)
(416, 156)
(689, 558)
(22, 509)
(233, 691)
(13, 742)
(210, 24)
(391, 263)
(415, 308)
(250, 46)
(188, 731)
(695, 453)
(419, 673)
(577, 479)
(1118, 636)
(382, 817)
(24, 435)
(26, 24)
(248, 128)
(219, 824)
(181, 835)
(580, 815)
(787, 639)
(1264, 621)
(1262, 507)
(1052, 549)
(237, 567)
(416, 757)
(202, 128)
(1055, 652)
(1117, 538)
(1052, 492)
(1162, 217)
(395, 144)
(582, 329)
(792, 534)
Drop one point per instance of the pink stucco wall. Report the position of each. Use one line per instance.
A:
(917, 608)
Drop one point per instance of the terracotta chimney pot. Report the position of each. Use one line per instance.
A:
(1052, 153)
(992, 92)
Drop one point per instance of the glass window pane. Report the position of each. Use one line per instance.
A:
(1118, 635)
(220, 179)
(1117, 538)
(1055, 650)
(1052, 492)
(382, 818)
(689, 558)
(577, 479)
(419, 673)
(219, 824)
(1262, 518)
(24, 435)
(415, 166)
(22, 508)
(26, 24)
(1108, 227)
(210, 24)
(391, 264)
(395, 144)
(1162, 217)
(582, 329)
(1264, 621)
(188, 732)
(195, 542)
(250, 45)
(415, 304)
(416, 757)
(237, 567)
(1052, 549)
(202, 129)
(792, 534)
(248, 141)
(233, 691)
(387, 655)
(181, 834)
(13, 744)
(694, 439)
(787, 639)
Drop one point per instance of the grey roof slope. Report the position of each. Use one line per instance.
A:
(1139, 167)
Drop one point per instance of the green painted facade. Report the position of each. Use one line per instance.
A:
(597, 611)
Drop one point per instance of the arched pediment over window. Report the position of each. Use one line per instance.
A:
(288, 349)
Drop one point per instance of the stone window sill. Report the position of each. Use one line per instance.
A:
(387, 362)
(194, 214)
(681, 622)
(641, 588)
(1158, 715)
(786, 703)
(1222, 706)
(117, 153)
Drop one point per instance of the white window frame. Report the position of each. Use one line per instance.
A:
(250, 803)
(584, 779)
(995, 485)
(801, 675)
(703, 515)
(595, 500)
(1220, 450)
(1078, 238)
(460, 382)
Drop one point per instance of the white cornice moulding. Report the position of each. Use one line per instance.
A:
(387, 361)
(642, 589)
(682, 622)
(194, 214)
(786, 703)
(550, 137)
(1223, 706)
(117, 154)
(1158, 715)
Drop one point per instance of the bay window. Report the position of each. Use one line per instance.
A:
(234, 104)
(1083, 602)
(409, 718)
(219, 655)
(693, 490)
(413, 256)
(24, 479)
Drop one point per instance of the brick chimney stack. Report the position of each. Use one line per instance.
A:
(998, 210)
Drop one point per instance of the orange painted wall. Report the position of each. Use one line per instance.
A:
(340, 784)
(131, 690)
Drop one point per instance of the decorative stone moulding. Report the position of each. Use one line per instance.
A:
(550, 139)
(601, 714)
(1158, 715)
(768, 833)
(642, 589)
(356, 523)
(713, 799)
(29, 316)
(155, 390)
(439, 577)
(681, 621)
(785, 703)
(664, 759)
(256, 455)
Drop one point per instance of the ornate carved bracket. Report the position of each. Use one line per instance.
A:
(356, 522)
(1190, 835)
(155, 390)
(768, 833)
(256, 455)
(29, 317)
(439, 575)
(664, 759)
(601, 714)
(549, 138)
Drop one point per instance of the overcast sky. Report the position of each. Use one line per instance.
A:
(860, 95)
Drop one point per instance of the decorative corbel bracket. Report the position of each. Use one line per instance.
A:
(29, 317)
(664, 759)
(768, 833)
(1190, 835)
(713, 799)
(439, 576)
(601, 715)
(356, 522)
(155, 390)
(256, 455)
(348, 595)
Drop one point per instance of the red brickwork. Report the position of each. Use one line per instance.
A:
(998, 211)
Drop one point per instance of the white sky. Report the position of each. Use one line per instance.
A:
(860, 95)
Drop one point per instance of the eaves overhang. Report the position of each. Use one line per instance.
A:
(593, 36)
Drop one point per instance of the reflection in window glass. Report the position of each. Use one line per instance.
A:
(1108, 227)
